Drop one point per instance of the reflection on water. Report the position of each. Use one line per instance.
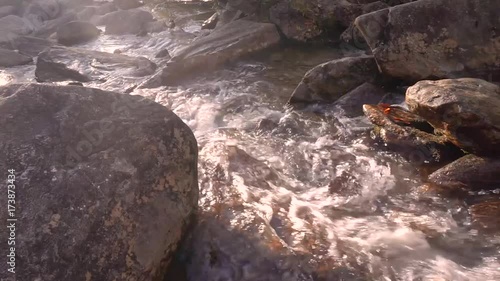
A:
(301, 195)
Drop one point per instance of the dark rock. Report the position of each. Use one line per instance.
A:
(486, 214)
(109, 182)
(127, 4)
(227, 16)
(466, 111)
(77, 32)
(163, 54)
(352, 35)
(27, 45)
(331, 80)
(51, 26)
(9, 58)
(125, 21)
(409, 134)
(8, 10)
(171, 24)
(63, 64)
(266, 125)
(435, 39)
(470, 173)
(224, 44)
(211, 22)
(352, 102)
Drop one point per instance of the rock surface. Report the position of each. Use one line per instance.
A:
(125, 21)
(352, 102)
(109, 182)
(470, 173)
(127, 4)
(73, 64)
(466, 111)
(13, 26)
(28, 45)
(330, 80)
(435, 39)
(9, 58)
(50, 27)
(77, 32)
(223, 45)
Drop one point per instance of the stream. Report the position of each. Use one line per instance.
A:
(299, 194)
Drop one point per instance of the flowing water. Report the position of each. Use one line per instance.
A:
(304, 194)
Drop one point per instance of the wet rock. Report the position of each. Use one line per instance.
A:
(155, 26)
(465, 110)
(352, 35)
(224, 44)
(13, 26)
(470, 172)
(211, 22)
(51, 26)
(435, 39)
(9, 58)
(77, 32)
(125, 21)
(63, 64)
(127, 4)
(486, 214)
(109, 180)
(352, 102)
(330, 80)
(8, 10)
(28, 45)
(409, 134)
(164, 54)
(266, 125)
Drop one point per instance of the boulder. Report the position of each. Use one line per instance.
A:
(435, 39)
(77, 32)
(51, 26)
(352, 102)
(13, 26)
(127, 4)
(466, 111)
(9, 58)
(125, 21)
(9, 3)
(28, 45)
(331, 80)
(223, 45)
(352, 35)
(73, 64)
(42, 10)
(8, 10)
(109, 182)
(470, 172)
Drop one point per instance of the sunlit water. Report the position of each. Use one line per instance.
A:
(304, 195)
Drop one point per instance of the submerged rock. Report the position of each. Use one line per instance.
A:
(109, 182)
(9, 58)
(331, 80)
(486, 214)
(223, 45)
(466, 111)
(409, 134)
(470, 172)
(435, 39)
(63, 64)
(77, 32)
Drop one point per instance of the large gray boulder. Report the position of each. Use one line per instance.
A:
(228, 43)
(77, 32)
(435, 39)
(106, 184)
(122, 22)
(469, 173)
(331, 80)
(466, 111)
(63, 63)
(13, 26)
(9, 58)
